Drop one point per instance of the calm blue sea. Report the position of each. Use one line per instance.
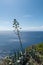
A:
(9, 41)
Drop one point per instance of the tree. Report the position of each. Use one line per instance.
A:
(16, 29)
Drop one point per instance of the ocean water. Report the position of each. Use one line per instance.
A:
(9, 41)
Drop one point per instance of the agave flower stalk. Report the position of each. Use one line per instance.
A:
(16, 29)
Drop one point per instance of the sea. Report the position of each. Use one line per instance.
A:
(9, 41)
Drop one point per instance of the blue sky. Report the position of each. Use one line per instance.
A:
(29, 13)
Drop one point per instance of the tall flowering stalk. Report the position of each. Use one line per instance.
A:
(17, 28)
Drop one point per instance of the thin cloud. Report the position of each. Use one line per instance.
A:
(23, 16)
(27, 16)
(40, 28)
(4, 28)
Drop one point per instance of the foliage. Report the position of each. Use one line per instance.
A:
(32, 56)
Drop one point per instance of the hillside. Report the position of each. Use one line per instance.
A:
(33, 56)
(36, 53)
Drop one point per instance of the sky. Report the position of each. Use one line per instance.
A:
(29, 13)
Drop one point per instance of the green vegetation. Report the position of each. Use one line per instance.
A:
(33, 56)
(36, 51)
(39, 48)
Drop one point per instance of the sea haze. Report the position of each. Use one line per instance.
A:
(9, 41)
